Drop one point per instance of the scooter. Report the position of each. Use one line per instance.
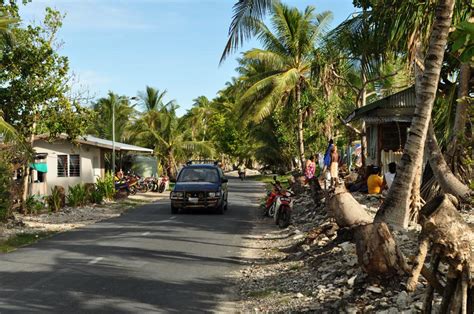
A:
(162, 185)
(279, 204)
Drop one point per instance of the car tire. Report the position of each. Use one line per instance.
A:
(220, 209)
(174, 210)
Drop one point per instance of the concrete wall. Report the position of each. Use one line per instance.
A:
(90, 164)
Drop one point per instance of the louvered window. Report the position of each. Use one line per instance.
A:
(62, 165)
(74, 166)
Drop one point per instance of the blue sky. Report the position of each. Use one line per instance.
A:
(124, 45)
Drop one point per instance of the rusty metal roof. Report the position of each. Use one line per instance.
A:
(398, 107)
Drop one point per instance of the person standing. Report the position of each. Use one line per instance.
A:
(334, 166)
(327, 162)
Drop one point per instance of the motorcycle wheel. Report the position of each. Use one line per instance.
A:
(161, 189)
(271, 211)
(133, 191)
(284, 218)
(144, 188)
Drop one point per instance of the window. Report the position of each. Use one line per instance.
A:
(62, 165)
(74, 166)
(74, 162)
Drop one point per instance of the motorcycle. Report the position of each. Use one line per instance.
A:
(162, 186)
(279, 204)
(136, 183)
(152, 184)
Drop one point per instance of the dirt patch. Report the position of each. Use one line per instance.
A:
(311, 267)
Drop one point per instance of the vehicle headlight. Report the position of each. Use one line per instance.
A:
(214, 194)
(177, 194)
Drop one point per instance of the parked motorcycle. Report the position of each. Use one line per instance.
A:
(136, 183)
(152, 184)
(164, 181)
(279, 204)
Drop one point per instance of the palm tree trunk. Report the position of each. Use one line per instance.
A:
(300, 128)
(415, 201)
(459, 128)
(26, 177)
(362, 101)
(395, 209)
(446, 179)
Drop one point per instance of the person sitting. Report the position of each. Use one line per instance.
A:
(310, 169)
(390, 175)
(120, 182)
(374, 181)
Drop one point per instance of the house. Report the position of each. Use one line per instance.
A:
(387, 124)
(66, 163)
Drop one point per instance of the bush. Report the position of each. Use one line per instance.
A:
(56, 200)
(33, 205)
(77, 195)
(106, 186)
(5, 186)
(96, 196)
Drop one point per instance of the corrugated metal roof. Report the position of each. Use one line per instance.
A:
(103, 143)
(403, 102)
(95, 141)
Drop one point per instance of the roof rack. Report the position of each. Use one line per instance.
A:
(202, 162)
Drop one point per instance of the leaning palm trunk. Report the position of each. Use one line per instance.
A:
(455, 149)
(446, 179)
(395, 209)
(300, 128)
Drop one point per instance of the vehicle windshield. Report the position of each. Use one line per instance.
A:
(198, 175)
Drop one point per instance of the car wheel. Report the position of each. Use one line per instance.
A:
(174, 210)
(220, 209)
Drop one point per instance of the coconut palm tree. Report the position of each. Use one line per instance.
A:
(395, 208)
(286, 60)
(124, 113)
(153, 99)
(198, 116)
(164, 132)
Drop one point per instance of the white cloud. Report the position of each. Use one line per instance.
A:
(95, 15)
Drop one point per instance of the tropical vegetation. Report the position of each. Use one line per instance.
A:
(286, 98)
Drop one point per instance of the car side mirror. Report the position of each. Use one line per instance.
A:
(225, 180)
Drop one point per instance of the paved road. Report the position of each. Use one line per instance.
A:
(144, 261)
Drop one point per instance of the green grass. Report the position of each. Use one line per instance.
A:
(261, 293)
(21, 240)
(268, 179)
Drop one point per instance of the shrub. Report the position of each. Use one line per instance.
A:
(33, 205)
(56, 200)
(5, 186)
(77, 195)
(106, 186)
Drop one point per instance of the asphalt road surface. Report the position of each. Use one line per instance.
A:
(146, 260)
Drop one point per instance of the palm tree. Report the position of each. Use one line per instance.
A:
(162, 130)
(153, 99)
(396, 205)
(124, 113)
(198, 117)
(287, 60)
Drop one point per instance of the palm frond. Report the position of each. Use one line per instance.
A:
(246, 15)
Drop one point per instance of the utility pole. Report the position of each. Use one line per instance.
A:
(113, 137)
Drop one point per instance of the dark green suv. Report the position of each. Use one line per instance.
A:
(200, 186)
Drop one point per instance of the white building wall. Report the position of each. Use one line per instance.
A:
(90, 163)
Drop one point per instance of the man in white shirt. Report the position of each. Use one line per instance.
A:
(390, 175)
